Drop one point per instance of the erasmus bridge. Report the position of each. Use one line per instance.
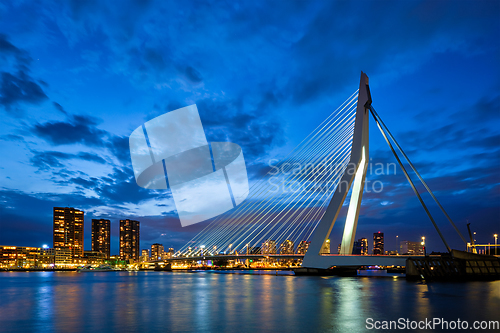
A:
(291, 211)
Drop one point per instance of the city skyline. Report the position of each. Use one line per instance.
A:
(101, 230)
(77, 80)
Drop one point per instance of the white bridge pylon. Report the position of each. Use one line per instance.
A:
(354, 176)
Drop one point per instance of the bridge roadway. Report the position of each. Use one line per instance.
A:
(333, 259)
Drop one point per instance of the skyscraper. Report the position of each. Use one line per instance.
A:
(68, 230)
(364, 246)
(378, 243)
(360, 247)
(101, 236)
(156, 251)
(129, 240)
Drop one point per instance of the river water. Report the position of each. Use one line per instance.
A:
(215, 302)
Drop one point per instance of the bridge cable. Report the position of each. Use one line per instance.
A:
(264, 203)
(410, 181)
(417, 173)
(297, 156)
(296, 151)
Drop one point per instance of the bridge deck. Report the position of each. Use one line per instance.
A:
(327, 260)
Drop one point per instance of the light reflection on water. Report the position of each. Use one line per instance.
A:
(207, 302)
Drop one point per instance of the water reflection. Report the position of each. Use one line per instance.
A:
(207, 302)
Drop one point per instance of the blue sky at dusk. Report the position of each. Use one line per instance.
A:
(77, 77)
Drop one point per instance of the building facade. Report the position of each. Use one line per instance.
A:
(101, 236)
(19, 256)
(145, 255)
(302, 247)
(63, 257)
(129, 240)
(94, 257)
(156, 251)
(412, 248)
(269, 247)
(68, 230)
(287, 247)
(378, 243)
(360, 247)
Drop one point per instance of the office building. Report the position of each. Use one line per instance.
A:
(68, 230)
(94, 257)
(156, 251)
(378, 243)
(360, 247)
(302, 247)
(101, 236)
(145, 255)
(19, 256)
(63, 257)
(412, 248)
(269, 247)
(129, 240)
(287, 247)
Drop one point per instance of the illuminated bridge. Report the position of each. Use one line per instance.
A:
(291, 211)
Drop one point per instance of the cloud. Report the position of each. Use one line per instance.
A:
(59, 108)
(18, 86)
(9, 51)
(47, 160)
(229, 120)
(193, 75)
(77, 129)
(404, 35)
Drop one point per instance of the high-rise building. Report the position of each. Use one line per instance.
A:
(101, 236)
(360, 247)
(170, 253)
(68, 230)
(129, 240)
(302, 247)
(269, 247)
(145, 255)
(378, 243)
(156, 251)
(326, 247)
(407, 247)
(287, 247)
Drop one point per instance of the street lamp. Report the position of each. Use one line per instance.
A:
(423, 245)
(397, 245)
(496, 237)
